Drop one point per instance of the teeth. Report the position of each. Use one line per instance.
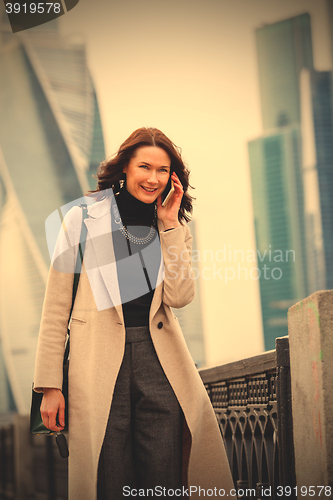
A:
(149, 189)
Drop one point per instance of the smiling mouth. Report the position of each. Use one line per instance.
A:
(149, 190)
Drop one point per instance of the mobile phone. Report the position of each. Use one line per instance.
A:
(169, 194)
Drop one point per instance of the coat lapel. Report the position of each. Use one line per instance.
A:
(157, 298)
(101, 257)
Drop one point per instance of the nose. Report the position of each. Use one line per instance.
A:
(152, 177)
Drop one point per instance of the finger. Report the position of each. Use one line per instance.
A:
(179, 188)
(52, 420)
(175, 177)
(45, 422)
(177, 183)
(45, 417)
(61, 416)
(176, 180)
(178, 192)
(48, 425)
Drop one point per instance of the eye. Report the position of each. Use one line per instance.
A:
(164, 170)
(143, 166)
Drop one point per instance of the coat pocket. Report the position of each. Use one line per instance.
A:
(78, 321)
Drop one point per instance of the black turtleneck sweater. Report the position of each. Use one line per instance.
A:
(137, 264)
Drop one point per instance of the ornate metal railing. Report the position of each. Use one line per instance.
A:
(30, 466)
(252, 402)
(7, 467)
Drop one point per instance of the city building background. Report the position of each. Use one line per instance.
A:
(284, 49)
(291, 173)
(190, 317)
(50, 140)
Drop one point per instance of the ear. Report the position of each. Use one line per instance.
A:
(125, 170)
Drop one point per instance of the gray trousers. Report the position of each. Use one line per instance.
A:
(142, 446)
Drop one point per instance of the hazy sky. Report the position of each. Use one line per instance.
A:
(189, 68)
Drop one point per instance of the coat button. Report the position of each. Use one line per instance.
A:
(159, 326)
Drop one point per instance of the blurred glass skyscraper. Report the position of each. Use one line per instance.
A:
(283, 49)
(317, 161)
(279, 227)
(291, 177)
(50, 142)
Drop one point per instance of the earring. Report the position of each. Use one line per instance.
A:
(122, 181)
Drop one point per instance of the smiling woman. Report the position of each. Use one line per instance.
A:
(150, 150)
(139, 414)
(147, 173)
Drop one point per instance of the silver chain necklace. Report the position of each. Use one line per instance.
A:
(130, 237)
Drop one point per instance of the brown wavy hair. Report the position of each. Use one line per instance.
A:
(110, 171)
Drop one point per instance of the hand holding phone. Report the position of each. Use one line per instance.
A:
(168, 213)
(168, 196)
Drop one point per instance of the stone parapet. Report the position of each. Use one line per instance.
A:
(310, 324)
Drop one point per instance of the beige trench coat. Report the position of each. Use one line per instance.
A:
(97, 348)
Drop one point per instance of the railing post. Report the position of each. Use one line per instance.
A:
(52, 494)
(23, 458)
(7, 473)
(310, 324)
(285, 421)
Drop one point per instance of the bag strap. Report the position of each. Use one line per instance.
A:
(78, 266)
(79, 259)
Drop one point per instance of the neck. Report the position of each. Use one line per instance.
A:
(134, 211)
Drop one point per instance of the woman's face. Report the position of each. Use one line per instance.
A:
(147, 173)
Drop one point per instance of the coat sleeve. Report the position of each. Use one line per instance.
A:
(179, 286)
(57, 305)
